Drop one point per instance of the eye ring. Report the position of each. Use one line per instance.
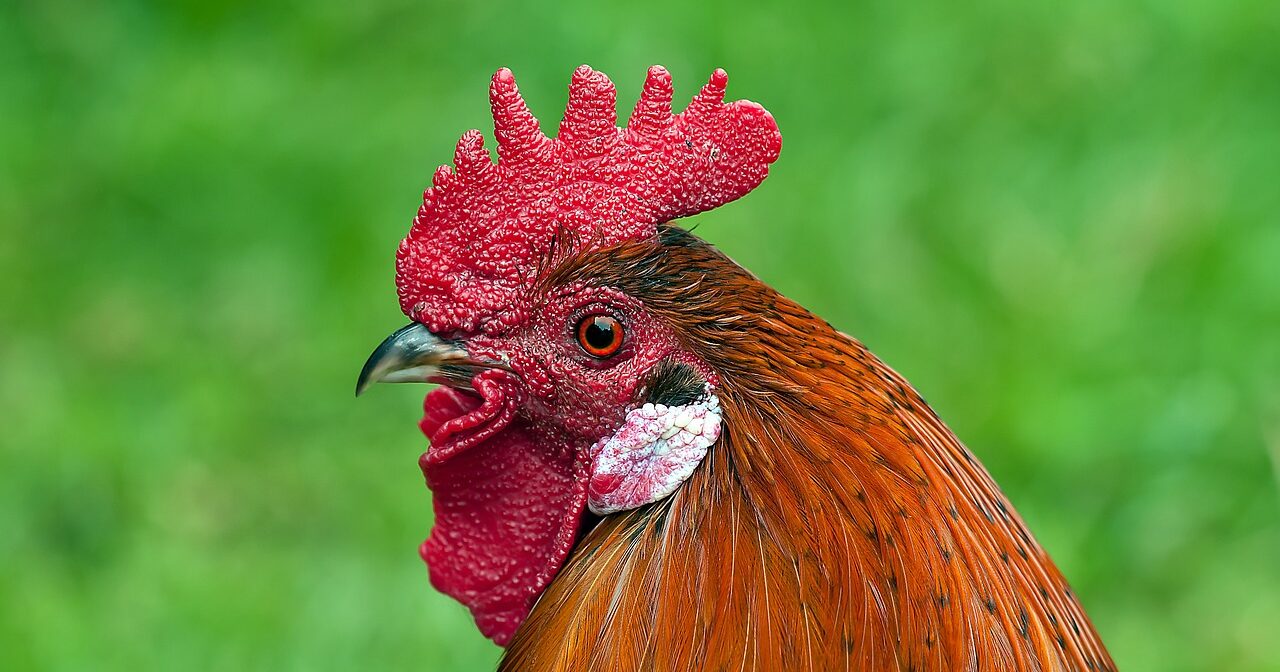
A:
(600, 335)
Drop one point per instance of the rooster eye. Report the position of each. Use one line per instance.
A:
(600, 335)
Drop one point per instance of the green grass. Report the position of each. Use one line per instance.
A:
(1060, 223)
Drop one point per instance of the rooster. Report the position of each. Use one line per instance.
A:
(644, 458)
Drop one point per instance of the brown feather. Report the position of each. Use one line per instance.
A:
(837, 525)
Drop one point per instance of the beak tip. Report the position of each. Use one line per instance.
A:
(366, 378)
(364, 383)
(407, 355)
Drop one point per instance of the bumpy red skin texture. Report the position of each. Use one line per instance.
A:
(507, 506)
(509, 468)
(484, 228)
(509, 465)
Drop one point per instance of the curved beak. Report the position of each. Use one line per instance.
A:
(412, 355)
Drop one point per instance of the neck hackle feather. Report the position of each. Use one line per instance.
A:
(838, 524)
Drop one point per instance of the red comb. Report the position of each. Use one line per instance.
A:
(485, 228)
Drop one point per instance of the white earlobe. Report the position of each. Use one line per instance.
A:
(656, 449)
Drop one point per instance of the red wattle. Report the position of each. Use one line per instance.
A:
(507, 512)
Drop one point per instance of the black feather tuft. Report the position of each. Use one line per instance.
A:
(670, 235)
(673, 384)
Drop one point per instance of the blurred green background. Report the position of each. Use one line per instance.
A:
(1060, 223)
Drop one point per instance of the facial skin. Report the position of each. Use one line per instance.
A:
(539, 418)
(566, 389)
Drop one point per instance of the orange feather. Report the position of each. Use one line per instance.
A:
(837, 525)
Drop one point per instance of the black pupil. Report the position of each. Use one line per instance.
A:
(599, 333)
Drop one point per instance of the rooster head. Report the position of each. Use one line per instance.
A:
(557, 396)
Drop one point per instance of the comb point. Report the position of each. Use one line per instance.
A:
(591, 112)
(470, 156)
(710, 97)
(441, 176)
(504, 77)
(652, 113)
(516, 129)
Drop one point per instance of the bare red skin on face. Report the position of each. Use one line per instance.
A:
(509, 467)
